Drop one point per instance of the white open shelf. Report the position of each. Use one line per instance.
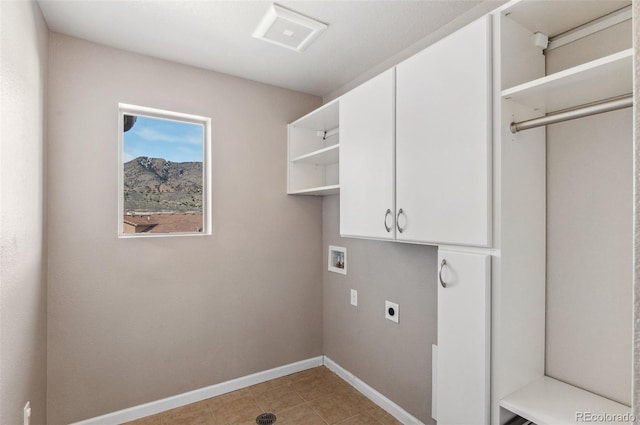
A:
(548, 401)
(324, 156)
(519, 277)
(324, 118)
(555, 17)
(314, 152)
(601, 79)
(319, 191)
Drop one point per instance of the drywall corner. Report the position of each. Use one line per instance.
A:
(23, 322)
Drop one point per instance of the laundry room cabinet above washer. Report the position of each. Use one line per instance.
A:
(415, 142)
(367, 169)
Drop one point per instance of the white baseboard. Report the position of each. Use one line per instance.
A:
(393, 409)
(154, 407)
(147, 409)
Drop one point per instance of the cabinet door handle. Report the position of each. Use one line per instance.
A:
(387, 214)
(400, 229)
(442, 282)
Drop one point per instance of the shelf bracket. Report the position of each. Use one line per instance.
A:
(325, 134)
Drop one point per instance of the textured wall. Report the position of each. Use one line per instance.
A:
(395, 359)
(23, 67)
(136, 320)
(589, 236)
(589, 258)
(636, 204)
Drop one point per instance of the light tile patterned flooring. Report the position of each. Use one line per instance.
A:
(314, 397)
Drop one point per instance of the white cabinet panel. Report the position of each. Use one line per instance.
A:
(367, 159)
(463, 338)
(443, 140)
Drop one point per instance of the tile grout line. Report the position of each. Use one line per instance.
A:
(317, 414)
(309, 406)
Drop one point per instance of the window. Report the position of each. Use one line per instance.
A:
(164, 173)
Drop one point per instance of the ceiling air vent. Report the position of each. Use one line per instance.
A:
(288, 29)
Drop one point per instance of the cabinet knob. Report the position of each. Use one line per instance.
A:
(442, 282)
(387, 214)
(400, 212)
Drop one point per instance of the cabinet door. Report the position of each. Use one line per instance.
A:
(367, 159)
(443, 140)
(463, 338)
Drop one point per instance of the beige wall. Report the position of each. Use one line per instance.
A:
(110, 324)
(589, 257)
(136, 320)
(395, 359)
(23, 67)
(636, 204)
(589, 238)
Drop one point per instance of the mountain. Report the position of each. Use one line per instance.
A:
(158, 185)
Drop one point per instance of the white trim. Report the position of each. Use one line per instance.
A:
(207, 161)
(493, 252)
(159, 406)
(393, 409)
(154, 407)
(434, 382)
(334, 268)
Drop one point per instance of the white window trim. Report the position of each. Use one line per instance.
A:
(127, 109)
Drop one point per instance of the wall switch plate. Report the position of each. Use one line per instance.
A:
(27, 413)
(391, 311)
(354, 297)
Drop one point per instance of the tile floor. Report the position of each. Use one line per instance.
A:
(314, 397)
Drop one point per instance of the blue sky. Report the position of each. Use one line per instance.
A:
(158, 138)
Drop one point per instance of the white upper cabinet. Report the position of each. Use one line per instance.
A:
(443, 140)
(367, 159)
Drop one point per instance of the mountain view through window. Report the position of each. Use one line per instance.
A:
(163, 175)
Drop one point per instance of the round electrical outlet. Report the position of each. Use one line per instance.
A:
(391, 311)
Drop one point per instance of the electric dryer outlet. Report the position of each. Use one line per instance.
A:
(391, 311)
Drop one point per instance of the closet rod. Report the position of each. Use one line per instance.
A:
(598, 108)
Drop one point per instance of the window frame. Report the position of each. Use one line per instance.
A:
(128, 109)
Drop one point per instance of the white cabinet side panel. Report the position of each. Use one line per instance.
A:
(519, 275)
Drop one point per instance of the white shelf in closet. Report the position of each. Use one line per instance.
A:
(324, 156)
(556, 17)
(519, 271)
(319, 191)
(601, 79)
(548, 401)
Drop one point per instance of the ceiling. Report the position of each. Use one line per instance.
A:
(217, 35)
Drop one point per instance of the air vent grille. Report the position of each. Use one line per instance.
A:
(287, 28)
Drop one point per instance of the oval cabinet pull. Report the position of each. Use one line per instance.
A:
(400, 229)
(442, 282)
(387, 214)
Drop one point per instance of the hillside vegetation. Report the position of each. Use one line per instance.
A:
(158, 185)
